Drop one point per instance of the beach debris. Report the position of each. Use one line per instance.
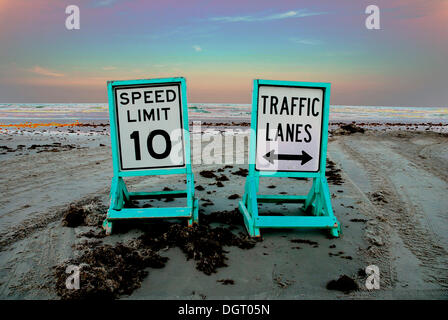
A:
(241, 172)
(200, 243)
(344, 284)
(362, 273)
(78, 214)
(333, 174)
(346, 129)
(74, 217)
(199, 188)
(281, 283)
(107, 272)
(358, 220)
(208, 174)
(233, 196)
(379, 196)
(226, 281)
(352, 128)
(93, 234)
(206, 202)
(230, 217)
(53, 147)
(340, 255)
(306, 241)
(222, 177)
(8, 149)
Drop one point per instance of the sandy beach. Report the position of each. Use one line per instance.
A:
(388, 190)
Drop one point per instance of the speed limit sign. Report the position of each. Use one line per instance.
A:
(149, 126)
(149, 137)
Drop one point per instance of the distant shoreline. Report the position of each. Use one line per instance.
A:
(220, 114)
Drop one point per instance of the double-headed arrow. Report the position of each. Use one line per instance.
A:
(271, 156)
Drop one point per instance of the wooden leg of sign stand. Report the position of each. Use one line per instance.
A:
(119, 195)
(328, 209)
(192, 201)
(249, 207)
(317, 203)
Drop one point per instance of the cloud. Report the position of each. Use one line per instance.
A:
(310, 42)
(277, 16)
(197, 48)
(45, 72)
(108, 68)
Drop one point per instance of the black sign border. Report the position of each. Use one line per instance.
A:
(179, 85)
(321, 125)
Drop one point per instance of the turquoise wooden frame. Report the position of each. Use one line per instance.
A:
(119, 194)
(317, 201)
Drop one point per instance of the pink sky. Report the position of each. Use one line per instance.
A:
(221, 46)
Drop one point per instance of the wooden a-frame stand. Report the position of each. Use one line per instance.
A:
(119, 194)
(317, 202)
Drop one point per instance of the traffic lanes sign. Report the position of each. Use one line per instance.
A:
(289, 128)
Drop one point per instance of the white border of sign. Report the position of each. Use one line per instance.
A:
(178, 84)
(322, 126)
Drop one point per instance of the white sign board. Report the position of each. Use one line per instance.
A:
(149, 126)
(289, 128)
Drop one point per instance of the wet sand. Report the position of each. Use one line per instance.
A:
(391, 201)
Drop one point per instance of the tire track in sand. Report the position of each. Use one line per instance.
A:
(400, 213)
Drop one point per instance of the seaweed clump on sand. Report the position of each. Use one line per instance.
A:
(108, 271)
(74, 217)
(344, 284)
(231, 217)
(241, 172)
(200, 242)
(91, 213)
(207, 174)
(333, 174)
(347, 129)
(305, 241)
(352, 128)
(379, 196)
